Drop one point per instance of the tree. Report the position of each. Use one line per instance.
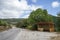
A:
(58, 14)
(58, 22)
(22, 24)
(39, 15)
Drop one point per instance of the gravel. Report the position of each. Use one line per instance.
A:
(23, 34)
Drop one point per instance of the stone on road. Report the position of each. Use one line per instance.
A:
(23, 34)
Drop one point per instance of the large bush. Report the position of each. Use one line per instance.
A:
(58, 22)
(3, 23)
(22, 24)
(39, 15)
(32, 27)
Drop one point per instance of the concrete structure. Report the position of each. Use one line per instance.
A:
(46, 26)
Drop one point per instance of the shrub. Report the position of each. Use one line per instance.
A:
(58, 29)
(22, 24)
(32, 27)
(29, 27)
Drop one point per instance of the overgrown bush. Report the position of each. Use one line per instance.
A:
(22, 24)
(4, 25)
(32, 27)
(57, 29)
(29, 27)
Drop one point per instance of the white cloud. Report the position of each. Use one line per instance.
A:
(55, 4)
(26, 16)
(15, 8)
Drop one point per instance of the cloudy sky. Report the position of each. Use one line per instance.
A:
(22, 8)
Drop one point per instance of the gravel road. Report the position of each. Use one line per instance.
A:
(23, 34)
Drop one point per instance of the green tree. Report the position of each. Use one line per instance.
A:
(22, 24)
(58, 22)
(40, 15)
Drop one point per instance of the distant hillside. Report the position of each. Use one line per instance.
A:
(15, 20)
(12, 20)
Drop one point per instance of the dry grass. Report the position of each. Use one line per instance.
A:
(3, 28)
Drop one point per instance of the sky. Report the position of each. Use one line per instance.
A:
(23, 8)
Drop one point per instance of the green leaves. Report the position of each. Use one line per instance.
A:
(58, 22)
(40, 15)
(3, 23)
(22, 24)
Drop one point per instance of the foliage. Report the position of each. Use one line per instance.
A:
(58, 22)
(39, 15)
(32, 27)
(12, 20)
(29, 27)
(3, 23)
(22, 24)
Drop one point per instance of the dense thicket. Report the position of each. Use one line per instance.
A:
(38, 15)
(58, 22)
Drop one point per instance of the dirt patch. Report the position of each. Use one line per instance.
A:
(56, 37)
(3, 28)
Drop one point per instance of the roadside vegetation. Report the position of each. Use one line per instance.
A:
(39, 15)
(58, 22)
(4, 25)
